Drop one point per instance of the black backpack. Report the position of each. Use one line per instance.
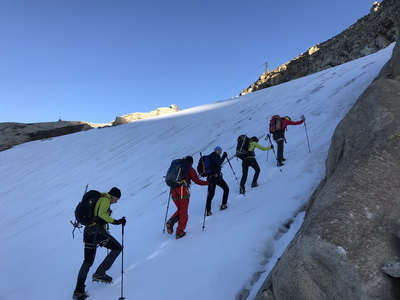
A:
(84, 212)
(203, 167)
(176, 172)
(242, 147)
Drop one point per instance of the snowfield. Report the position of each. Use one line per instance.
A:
(42, 182)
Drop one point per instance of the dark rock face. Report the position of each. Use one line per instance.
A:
(351, 227)
(368, 35)
(12, 134)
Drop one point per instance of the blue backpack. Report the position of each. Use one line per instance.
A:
(177, 172)
(203, 167)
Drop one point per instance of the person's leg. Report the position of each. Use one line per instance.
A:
(245, 171)
(222, 184)
(183, 214)
(175, 195)
(112, 244)
(256, 168)
(89, 255)
(210, 193)
(175, 217)
(280, 143)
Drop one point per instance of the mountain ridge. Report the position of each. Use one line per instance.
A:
(371, 33)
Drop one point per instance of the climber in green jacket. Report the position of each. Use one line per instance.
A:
(96, 234)
(250, 161)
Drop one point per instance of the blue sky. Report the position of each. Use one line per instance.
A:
(95, 60)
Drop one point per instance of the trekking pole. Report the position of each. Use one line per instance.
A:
(122, 265)
(229, 162)
(266, 138)
(166, 213)
(269, 137)
(204, 220)
(305, 127)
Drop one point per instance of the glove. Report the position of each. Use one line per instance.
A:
(120, 221)
(224, 155)
(272, 146)
(303, 118)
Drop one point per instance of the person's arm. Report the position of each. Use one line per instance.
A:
(257, 145)
(103, 208)
(293, 123)
(193, 176)
(216, 159)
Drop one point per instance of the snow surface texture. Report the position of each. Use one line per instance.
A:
(42, 181)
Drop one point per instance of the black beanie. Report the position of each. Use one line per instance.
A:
(254, 139)
(189, 159)
(115, 192)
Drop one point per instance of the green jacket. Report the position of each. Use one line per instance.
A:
(253, 145)
(102, 208)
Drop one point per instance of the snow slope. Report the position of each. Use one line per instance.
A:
(42, 181)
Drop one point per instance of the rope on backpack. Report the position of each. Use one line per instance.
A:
(76, 225)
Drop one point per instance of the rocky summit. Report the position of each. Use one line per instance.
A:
(373, 32)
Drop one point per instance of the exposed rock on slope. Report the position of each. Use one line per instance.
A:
(138, 116)
(351, 225)
(368, 35)
(12, 134)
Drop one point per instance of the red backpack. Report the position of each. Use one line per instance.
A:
(275, 124)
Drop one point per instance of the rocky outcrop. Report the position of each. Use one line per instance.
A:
(352, 222)
(12, 134)
(368, 35)
(138, 116)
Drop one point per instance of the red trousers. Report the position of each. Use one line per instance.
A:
(181, 197)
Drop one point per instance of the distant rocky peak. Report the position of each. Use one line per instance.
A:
(373, 32)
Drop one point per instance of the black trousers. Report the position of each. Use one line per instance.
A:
(246, 163)
(213, 181)
(279, 138)
(93, 237)
(279, 154)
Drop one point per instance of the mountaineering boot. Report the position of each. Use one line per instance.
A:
(242, 191)
(170, 227)
(223, 207)
(79, 296)
(279, 164)
(209, 213)
(180, 235)
(254, 184)
(102, 278)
